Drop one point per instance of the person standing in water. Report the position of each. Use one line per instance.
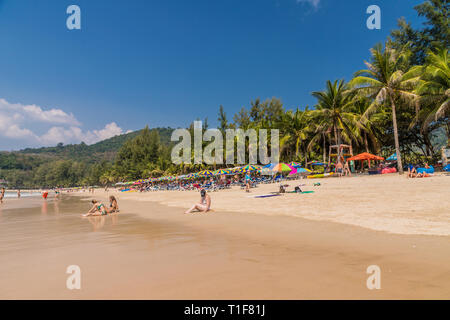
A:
(204, 205)
(18, 193)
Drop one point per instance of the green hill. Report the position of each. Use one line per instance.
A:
(65, 165)
(103, 150)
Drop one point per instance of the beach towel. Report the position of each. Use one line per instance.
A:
(303, 192)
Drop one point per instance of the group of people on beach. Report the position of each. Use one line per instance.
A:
(99, 209)
(343, 169)
(412, 171)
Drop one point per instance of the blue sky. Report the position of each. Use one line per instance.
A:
(168, 62)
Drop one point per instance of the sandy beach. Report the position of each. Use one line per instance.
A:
(389, 203)
(308, 246)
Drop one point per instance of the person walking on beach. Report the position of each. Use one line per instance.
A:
(339, 169)
(347, 171)
(204, 205)
(248, 180)
(2, 195)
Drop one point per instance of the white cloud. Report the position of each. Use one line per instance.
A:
(37, 113)
(22, 123)
(314, 3)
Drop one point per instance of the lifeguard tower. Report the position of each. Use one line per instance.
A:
(344, 151)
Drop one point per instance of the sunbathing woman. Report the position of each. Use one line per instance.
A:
(113, 205)
(204, 205)
(98, 209)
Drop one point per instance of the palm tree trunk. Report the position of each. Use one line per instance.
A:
(336, 134)
(366, 142)
(397, 145)
(324, 149)
(339, 146)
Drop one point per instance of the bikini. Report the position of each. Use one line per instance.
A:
(99, 208)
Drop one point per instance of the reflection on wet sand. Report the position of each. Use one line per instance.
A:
(97, 222)
(44, 208)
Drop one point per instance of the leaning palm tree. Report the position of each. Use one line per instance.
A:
(333, 113)
(386, 81)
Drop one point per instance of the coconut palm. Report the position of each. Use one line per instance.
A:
(434, 87)
(334, 114)
(296, 127)
(387, 81)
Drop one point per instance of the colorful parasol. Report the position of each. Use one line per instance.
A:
(206, 173)
(221, 172)
(282, 167)
(249, 168)
(295, 164)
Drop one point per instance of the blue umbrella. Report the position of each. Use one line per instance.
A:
(392, 158)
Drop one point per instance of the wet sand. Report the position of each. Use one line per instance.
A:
(152, 251)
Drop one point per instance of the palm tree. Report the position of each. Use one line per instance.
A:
(368, 124)
(333, 113)
(296, 127)
(386, 81)
(434, 88)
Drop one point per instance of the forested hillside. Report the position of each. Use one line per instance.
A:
(66, 165)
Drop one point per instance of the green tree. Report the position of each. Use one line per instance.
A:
(334, 112)
(386, 80)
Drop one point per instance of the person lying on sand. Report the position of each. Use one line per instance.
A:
(113, 205)
(98, 209)
(204, 205)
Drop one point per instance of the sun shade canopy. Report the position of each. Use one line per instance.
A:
(365, 156)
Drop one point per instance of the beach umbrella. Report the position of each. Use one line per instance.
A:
(206, 173)
(392, 157)
(249, 168)
(317, 163)
(267, 169)
(282, 167)
(303, 170)
(295, 164)
(221, 172)
(192, 175)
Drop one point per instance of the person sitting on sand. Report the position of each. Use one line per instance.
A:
(412, 172)
(204, 205)
(113, 205)
(98, 209)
